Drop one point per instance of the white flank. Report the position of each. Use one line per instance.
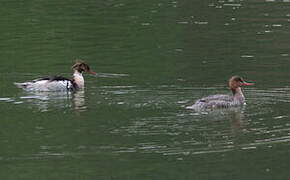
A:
(45, 85)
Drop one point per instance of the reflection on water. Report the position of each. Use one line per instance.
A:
(165, 53)
(154, 120)
(49, 101)
(159, 117)
(79, 100)
(186, 132)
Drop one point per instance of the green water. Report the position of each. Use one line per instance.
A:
(153, 59)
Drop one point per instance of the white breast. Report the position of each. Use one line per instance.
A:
(79, 79)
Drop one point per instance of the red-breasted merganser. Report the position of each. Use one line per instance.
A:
(59, 83)
(224, 101)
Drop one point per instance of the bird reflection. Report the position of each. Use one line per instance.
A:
(47, 101)
(234, 114)
(79, 100)
(236, 119)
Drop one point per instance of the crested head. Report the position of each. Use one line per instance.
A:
(81, 67)
(236, 82)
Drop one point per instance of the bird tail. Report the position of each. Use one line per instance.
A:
(21, 85)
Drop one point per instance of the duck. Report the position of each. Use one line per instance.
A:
(59, 83)
(237, 97)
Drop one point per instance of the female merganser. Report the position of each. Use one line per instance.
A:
(224, 101)
(58, 83)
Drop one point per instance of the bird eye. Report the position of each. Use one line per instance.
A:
(240, 80)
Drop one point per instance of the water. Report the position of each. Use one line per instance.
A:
(153, 59)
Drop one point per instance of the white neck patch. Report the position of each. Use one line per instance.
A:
(79, 79)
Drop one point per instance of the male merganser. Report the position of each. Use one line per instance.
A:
(224, 101)
(59, 83)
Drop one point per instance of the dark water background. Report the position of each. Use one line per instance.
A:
(153, 59)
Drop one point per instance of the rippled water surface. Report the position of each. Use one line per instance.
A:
(153, 59)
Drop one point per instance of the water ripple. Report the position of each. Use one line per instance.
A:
(211, 132)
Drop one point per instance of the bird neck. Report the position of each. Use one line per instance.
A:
(78, 79)
(238, 93)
